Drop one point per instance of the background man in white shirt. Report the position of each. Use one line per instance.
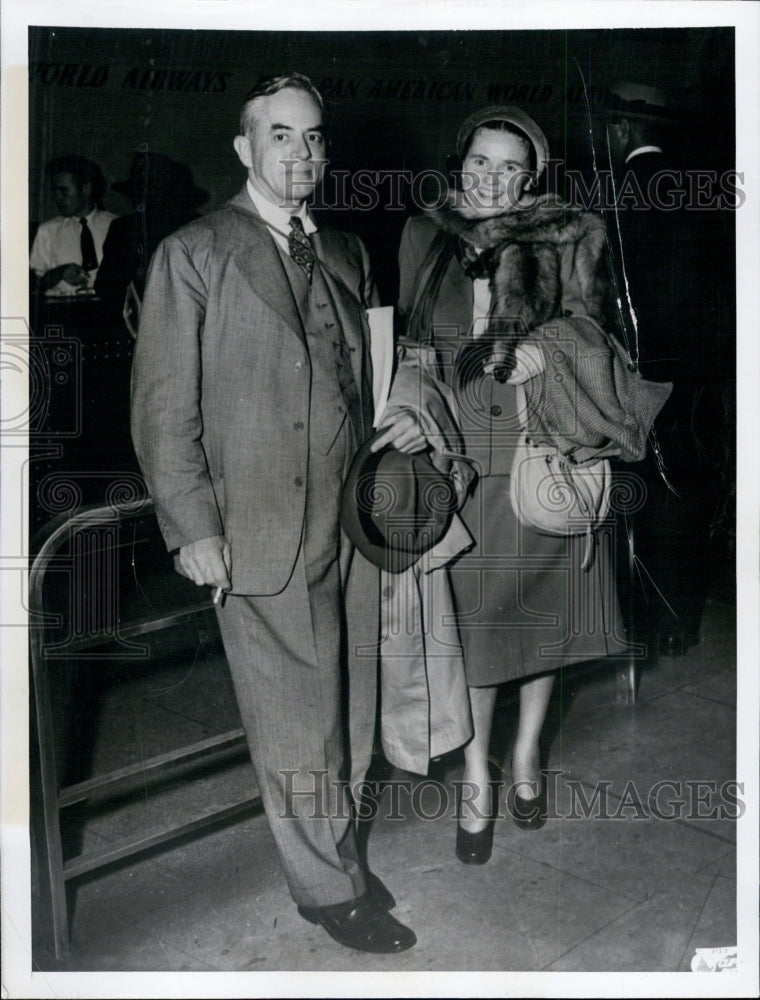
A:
(68, 249)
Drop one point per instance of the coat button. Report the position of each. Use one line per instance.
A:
(495, 411)
(298, 425)
(298, 480)
(298, 365)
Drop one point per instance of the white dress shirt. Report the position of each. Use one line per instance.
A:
(277, 219)
(58, 241)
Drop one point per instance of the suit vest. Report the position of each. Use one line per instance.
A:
(334, 394)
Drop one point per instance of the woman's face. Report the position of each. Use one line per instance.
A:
(495, 172)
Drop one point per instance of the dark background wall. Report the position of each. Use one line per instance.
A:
(397, 99)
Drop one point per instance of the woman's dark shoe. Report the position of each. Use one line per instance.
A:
(474, 848)
(530, 814)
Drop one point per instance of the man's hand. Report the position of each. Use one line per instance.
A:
(74, 274)
(208, 561)
(403, 431)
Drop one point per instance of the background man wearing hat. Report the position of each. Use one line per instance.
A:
(164, 197)
(67, 250)
(251, 394)
(669, 277)
(638, 118)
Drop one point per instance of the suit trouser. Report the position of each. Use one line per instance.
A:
(298, 668)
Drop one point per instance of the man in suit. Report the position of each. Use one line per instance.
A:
(251, 394)
(637, 128)
(669, 274)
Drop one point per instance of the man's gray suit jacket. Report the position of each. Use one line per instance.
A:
(221, 386)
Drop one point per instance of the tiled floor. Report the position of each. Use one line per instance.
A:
(613, 891)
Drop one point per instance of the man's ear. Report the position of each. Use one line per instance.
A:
(243, 149)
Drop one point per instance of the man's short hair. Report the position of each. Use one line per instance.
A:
(83, 171)
(269, 86)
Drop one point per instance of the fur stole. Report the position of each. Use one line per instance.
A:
(523, 249)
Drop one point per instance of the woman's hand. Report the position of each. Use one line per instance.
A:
(529, 362)
(403, 431)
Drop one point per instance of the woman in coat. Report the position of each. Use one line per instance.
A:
(505, 285)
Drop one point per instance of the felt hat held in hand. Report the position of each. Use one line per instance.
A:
(395, 506)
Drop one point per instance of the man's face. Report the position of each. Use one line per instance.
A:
(69, 198)
(616, 140)
(495, 171)
(285, 152)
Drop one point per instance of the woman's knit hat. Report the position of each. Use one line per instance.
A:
(513, 116)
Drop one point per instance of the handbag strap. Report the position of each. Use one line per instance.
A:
(583, 494)
(522, 406)
(574, 483)
(427, 285)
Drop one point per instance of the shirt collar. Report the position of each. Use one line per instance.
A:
(277, 217)
(90, 216)
(642, 149)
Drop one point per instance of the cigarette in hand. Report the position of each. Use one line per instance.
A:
(218, 595)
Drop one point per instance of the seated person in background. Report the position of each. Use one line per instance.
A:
(164, 198)
(67, 249)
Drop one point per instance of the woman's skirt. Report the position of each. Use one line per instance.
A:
(524, 605)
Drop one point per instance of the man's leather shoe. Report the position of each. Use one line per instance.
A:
(361, 925)
(378, 893)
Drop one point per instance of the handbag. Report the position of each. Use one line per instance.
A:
(553, 495)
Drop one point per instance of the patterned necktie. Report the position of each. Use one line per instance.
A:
(299, 246)
(87, 243)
